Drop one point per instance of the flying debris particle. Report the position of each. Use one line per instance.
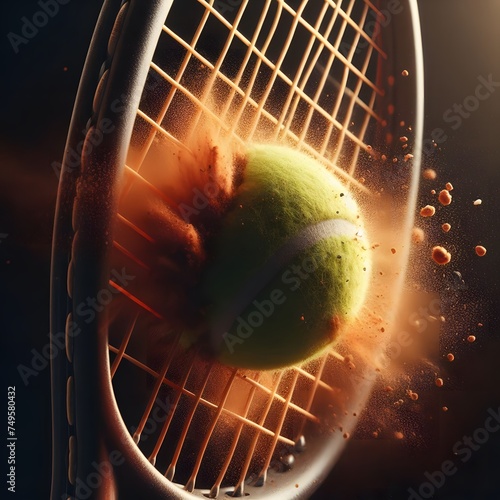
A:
(439, 382)
(440, 255)
(417, 235)
(405, 72)
(444, 197)
(412, 395)
(477, 202)
(449, 186)
(429, 174)
(446, 227)
(471, 338)
(450, 357)
(427, 211)
(480, 250)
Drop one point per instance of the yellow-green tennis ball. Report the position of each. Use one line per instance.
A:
(289, 265)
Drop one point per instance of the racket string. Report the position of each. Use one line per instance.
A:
(283, 397)
(351, 94)
(259, 107)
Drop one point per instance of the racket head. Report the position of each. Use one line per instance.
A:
(88, 421)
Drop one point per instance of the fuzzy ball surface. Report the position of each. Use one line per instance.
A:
(290, 265)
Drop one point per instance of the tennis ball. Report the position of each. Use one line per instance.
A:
(289, 265)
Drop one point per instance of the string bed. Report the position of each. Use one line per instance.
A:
(296, 72)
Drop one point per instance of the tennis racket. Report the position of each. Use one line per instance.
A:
(135, 414)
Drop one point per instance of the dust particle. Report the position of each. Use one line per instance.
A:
(480, 250)
(429, 174)
(427, 211)
(412, 395)
(417, 235)
(450, 357)
(405, 72)
(477, 202)
(446, 227)
(471, 338)
(439, 382)
(444, 197)
(440, 255)
(449, 186)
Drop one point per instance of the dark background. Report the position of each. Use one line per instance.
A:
(461, 42)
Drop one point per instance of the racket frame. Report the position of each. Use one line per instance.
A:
(87, 427)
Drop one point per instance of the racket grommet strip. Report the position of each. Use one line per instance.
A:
(68, 340)
(117, 28)
(70, 407)
(69, 283)
(99, 92)
(72, 460)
